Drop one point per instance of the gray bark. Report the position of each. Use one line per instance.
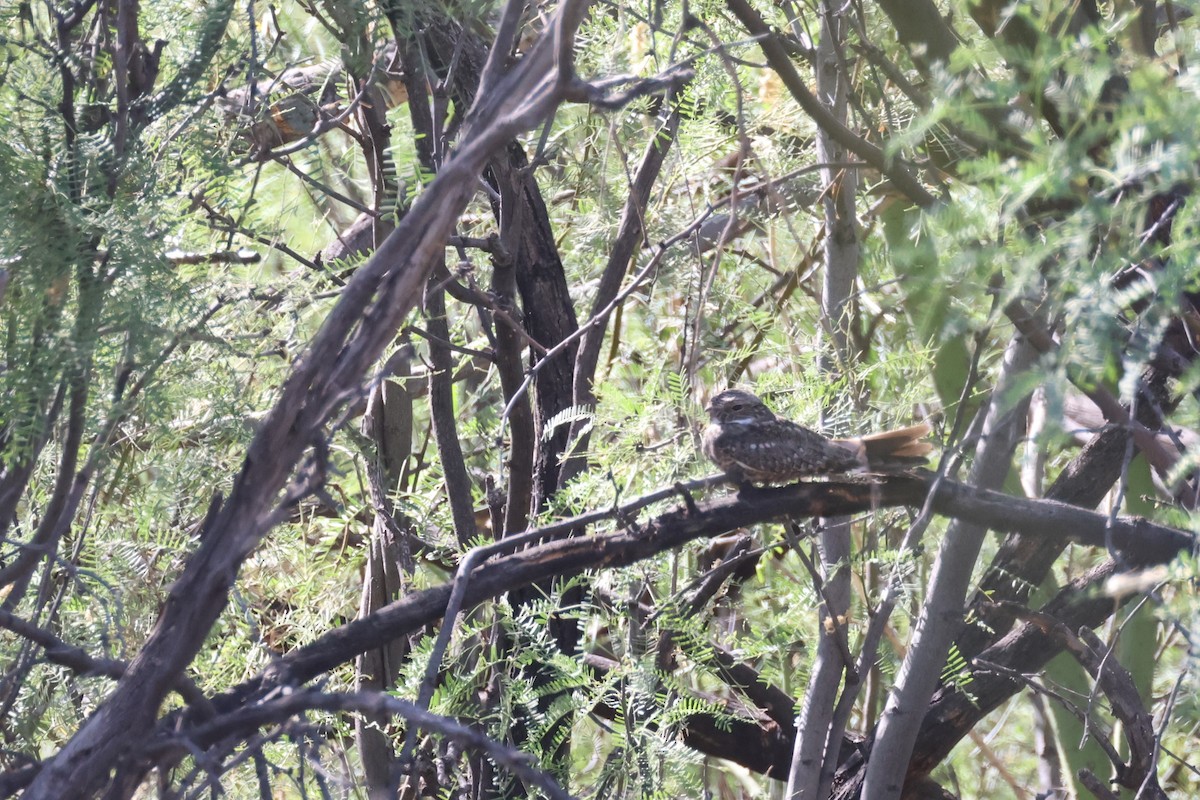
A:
(841, 250)
(942, 612)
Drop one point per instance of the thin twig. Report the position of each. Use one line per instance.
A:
(78, 660)
(281, 709)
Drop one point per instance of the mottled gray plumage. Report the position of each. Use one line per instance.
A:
(750, 444)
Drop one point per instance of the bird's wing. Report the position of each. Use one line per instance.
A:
(799, 451)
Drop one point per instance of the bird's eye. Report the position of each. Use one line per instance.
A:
(736, 406)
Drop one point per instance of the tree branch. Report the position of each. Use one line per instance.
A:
(1141, 541)
(780, 61)
(352, 338)
(79, 661)
(245, 720)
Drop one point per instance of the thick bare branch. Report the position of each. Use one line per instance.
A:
(352, 338)
(818, 742)
(78, 660)
(1143, 541)
(942, 613)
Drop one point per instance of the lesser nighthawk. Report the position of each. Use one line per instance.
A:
(752, 445)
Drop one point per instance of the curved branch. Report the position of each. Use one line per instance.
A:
(80, 662)
(780, 61)
(1141, 541)
(372, 704)
(328, 376)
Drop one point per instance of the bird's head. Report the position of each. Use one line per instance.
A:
(737, 407)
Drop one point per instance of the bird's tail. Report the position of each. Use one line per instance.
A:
(902, 447)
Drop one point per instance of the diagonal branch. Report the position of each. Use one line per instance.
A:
(630, 233)
(1117, 685)
(780, 61)
(352, 338)
(80, 661)
(1141, 541)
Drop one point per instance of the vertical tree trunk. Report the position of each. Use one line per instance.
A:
(547, 310)
(388, 422)
(942, 612)
(841, 251)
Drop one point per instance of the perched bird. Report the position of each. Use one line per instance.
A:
(746, 440)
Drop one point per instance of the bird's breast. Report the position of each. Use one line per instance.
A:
(708, 442)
